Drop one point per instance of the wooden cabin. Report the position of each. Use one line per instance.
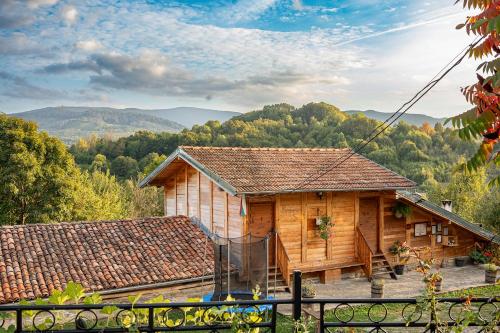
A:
(281, 191)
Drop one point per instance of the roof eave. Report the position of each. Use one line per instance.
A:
(328, 190)
(492, 238)
(180, 153)
(147, 180)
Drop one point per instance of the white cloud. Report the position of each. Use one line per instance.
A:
(38, 3)
(245, 10)
(69, 14)
(89, 45)
(17, 44)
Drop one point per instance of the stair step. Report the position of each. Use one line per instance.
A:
(383, 266)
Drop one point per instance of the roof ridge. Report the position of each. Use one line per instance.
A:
(63, 223)
(266, 148)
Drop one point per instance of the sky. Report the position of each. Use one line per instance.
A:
(231, 55)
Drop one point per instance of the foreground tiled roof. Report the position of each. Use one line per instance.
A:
(429, 206)
(35, 259)
(257, 170)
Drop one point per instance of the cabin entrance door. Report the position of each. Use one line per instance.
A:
(261, 222)
(368, 221)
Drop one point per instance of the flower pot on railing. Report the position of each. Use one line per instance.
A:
(399, 269)
(377, 288)
(490, 273)
(308, 290)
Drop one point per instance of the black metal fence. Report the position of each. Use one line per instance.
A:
(332, 315)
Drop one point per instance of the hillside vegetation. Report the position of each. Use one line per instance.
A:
(418, 153)
(426, 154)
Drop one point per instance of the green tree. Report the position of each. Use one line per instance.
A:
(142, 202)
(38, 176)
(124, 167)
(100, 197)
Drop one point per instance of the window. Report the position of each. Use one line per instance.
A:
(420, 229)
(434, 229)
(445, 231)
(438, 239)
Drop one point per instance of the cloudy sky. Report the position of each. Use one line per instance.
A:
(230, 55)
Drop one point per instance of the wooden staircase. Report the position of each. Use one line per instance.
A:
(281, 285)
(381, 267)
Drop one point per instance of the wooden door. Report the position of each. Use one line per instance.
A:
(368, 221)
(261, 222)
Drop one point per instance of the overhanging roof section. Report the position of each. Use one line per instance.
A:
(281, 170)
(418, 201)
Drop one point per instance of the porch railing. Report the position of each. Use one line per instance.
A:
(364, 252)
(283, 260)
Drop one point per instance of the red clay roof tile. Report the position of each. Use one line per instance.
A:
(36, 259)
(253, 170)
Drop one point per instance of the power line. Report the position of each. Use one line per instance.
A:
(389, 121)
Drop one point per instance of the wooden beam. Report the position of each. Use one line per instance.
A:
(199, 194)
(277, 213)
(408, 230)
(175, 195)
(211, 206)
(303, 199)
(329, 210)
(186, 192)
(381, 223)
(356, 222)
(226, 217)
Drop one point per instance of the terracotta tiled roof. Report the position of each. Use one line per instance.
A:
(37, 258)
(253, 170)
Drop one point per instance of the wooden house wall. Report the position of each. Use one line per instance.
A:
(188, 192)
(295, 219)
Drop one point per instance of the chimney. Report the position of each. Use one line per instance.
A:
(446, 204)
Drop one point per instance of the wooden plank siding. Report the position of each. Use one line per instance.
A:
(189, 192)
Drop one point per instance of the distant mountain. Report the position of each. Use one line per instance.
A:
(412, 118)
(71, 122)
(189, 116)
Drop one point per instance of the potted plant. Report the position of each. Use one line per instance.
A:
(490, 273)
(398, 249)
(308, 289)
(377, 288)
(401, 210)
(325, 226)
(477, 257)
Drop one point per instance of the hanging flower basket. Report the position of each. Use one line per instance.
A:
(401, 210)
(325, 226)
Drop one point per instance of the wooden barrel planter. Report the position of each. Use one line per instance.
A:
(377, 288)
(460, 261)
(490, 276)
(437, 286)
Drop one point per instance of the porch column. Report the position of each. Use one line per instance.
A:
(381, 223)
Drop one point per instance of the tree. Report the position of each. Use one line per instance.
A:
(38, 176)
(100, 197)
(124, 167)
(482, 121)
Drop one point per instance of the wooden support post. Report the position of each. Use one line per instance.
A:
(175, 195)
(356, 222)
(330, 276)
(277, 213)
(211, 206)
(303, 199)
(186, 191)
(381, 226)
(226, 217)
(408, 230)
(199, 194)
(329, 212)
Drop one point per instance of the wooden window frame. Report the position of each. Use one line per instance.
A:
(415, 229)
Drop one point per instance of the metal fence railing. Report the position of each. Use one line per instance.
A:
(332, 315)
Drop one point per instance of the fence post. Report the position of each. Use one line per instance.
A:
(297, 294)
